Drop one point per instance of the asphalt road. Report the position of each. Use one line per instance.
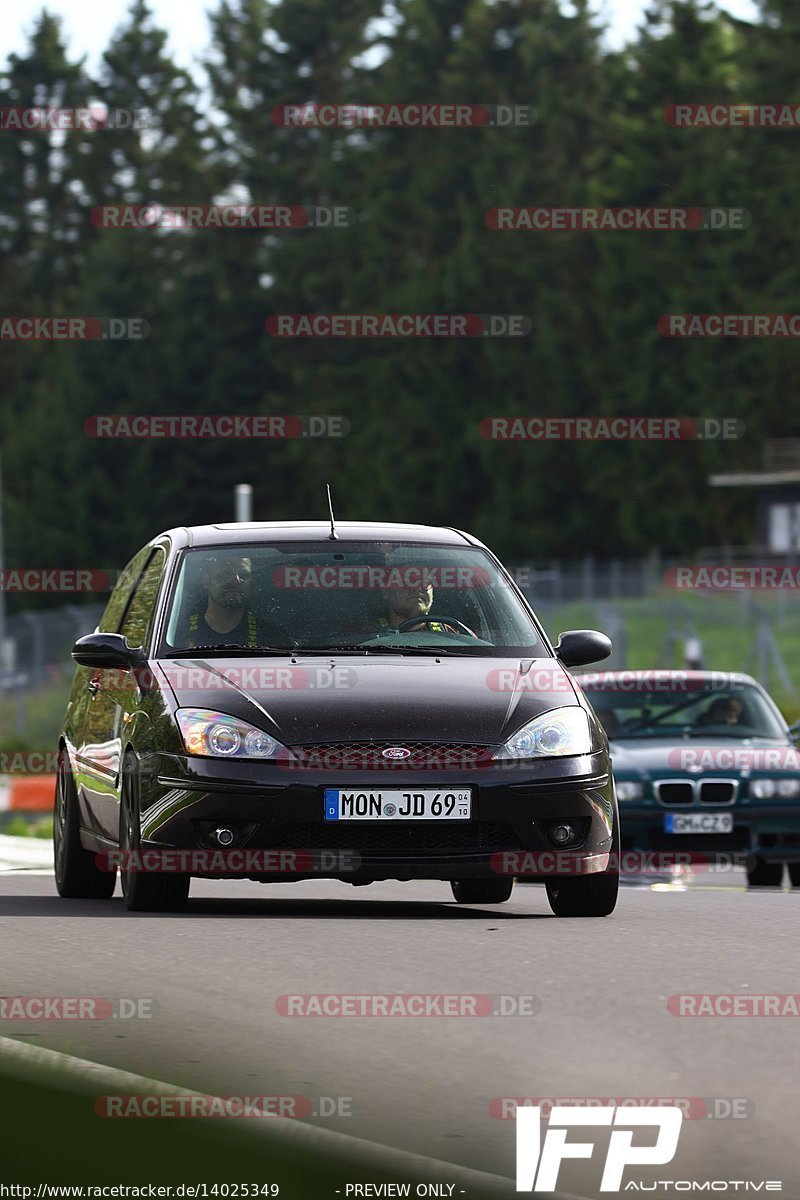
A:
(601, 1027)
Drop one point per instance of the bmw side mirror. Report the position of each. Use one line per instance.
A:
(579, 647)
(105, 650)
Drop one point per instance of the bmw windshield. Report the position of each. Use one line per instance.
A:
(734, 711)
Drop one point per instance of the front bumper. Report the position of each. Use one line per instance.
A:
(273, 807)
(772, 831)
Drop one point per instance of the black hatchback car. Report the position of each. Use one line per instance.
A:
(359, 702)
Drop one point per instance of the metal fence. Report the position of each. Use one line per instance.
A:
(650, 625)
(38, 643)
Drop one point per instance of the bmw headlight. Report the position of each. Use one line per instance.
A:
(218, 735)
(629, 789)
(554, 734)
(765, 789)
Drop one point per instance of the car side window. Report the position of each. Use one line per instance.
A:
(143, 602)
(118, 601)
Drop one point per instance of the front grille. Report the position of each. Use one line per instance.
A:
(717, 791)
(676, 795)
(368, 756)
(395, 840)
(658, 839)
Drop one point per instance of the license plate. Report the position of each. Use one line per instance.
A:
(698, 822)
(393, 804)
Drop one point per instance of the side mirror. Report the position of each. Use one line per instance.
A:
(578, 647)
(794, 731)
(109, 650)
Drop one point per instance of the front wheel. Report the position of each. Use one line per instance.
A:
(481, 891)
(764, 874)
(76, 871)
(588, 895)
(144, 891)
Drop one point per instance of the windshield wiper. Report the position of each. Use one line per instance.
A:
(740, 734)
(230, 648)
(370, 650)
(329, 650)
(423, 651)
(658, 718)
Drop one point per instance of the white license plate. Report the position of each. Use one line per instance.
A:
(698, 822)
(393, 804)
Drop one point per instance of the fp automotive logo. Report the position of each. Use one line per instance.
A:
(538, 1165)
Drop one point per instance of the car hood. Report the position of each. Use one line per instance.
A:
(660, 756)
(377, 698)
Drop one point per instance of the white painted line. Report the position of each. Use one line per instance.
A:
(25, 854)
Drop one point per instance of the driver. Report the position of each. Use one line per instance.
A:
(226, 616)
(403, 604)
(725, 710)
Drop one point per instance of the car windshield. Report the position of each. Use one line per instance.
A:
(734, 711)
(367, 597)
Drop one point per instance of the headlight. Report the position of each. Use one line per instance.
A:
(629, 789)
(553, 734)
(218, 735)
(765, 789)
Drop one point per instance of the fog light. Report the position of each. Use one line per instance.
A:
(224, 836)
(561, 834)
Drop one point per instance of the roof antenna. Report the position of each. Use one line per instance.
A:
(333, 535)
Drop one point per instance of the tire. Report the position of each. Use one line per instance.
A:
(143, 891)
(481, 891)
(764, 874)
(794, 873)
(587, 895)
(76, 871)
